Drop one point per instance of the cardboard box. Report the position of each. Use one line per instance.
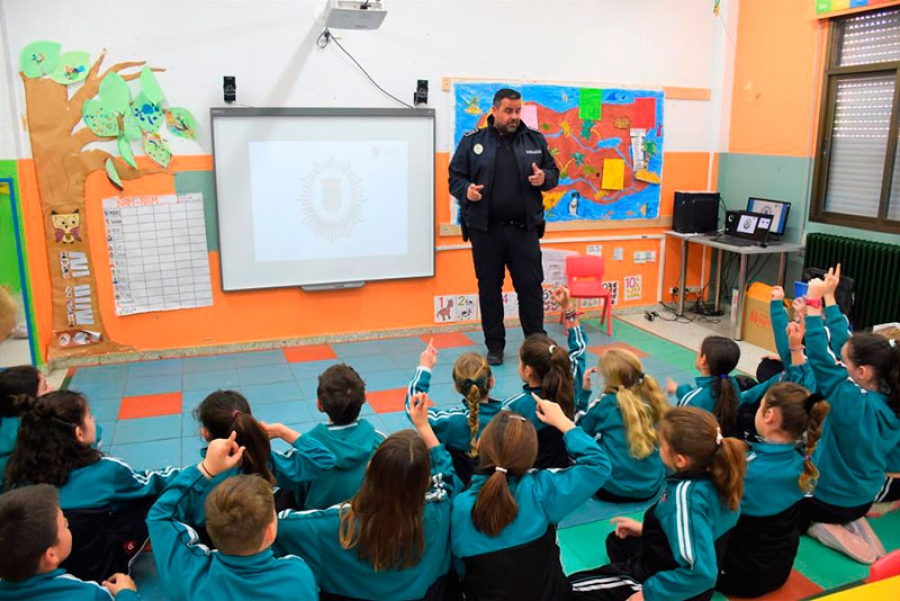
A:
(757, 319)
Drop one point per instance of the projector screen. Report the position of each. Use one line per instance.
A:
(323, 197)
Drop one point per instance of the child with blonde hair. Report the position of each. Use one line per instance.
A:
(623, 421)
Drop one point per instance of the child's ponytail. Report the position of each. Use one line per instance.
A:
(472, 378)
(551, 365)
(14, 382)
(818, 409)
(883, 355)
(729, 465)
(508, 449)
(722, 355)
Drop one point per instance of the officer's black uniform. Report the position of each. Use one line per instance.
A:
(506, 224)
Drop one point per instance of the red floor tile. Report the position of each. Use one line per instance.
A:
(150, 405)
(313, 352)
(599, 350)
(448, 340)
(387, 401)
(797, 587)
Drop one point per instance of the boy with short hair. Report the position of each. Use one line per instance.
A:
(341, 394)
(35, 539)
(240, 519)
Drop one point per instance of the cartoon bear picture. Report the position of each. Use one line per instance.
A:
(66, 226)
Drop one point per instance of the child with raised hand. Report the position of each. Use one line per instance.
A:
(504, 525)
(623, 421)
(550, 372)
(716, 390)
(16, 383)
(863, 428)
(391, 540)
(458, 428)
(240, 517)
(780, 473)
(226, 411)
(341, 393)
(35, 539)
(673, 553)
(104, 499)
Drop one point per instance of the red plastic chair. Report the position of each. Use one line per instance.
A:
(585, 277)
(886, 566)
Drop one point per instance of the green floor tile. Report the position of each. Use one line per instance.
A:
(826, 567)
(887, 528)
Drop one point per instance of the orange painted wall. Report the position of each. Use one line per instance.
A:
(777, 70)
(275, 314)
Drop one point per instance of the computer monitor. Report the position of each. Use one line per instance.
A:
(776, 208)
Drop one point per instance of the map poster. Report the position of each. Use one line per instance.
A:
(608, 144)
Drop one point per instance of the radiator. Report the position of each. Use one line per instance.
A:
(874, 266)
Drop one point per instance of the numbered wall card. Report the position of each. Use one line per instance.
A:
(613, 287)
(633, 287)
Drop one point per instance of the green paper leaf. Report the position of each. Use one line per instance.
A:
(132, 131)
(157, 150)
(590, 104)
(39, 58)
(181, 123)
(147, 114)
(72, 68)
(114, 93)
(126, 152)
(149, 87)
(112, 174)
(100, 118)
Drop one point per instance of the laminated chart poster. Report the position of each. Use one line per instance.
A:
(157, 252)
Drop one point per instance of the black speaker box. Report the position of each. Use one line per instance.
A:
(696, 212)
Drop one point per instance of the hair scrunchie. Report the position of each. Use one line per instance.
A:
(811, 401)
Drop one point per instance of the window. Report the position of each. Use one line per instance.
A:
(857, 172)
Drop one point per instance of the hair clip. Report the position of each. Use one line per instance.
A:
(235, 413)
(552, 348)
(500, 469)
(518, 417)
(892, 342)
(811, 401)
(719, 438)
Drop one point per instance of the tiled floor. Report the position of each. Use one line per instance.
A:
(145, 410)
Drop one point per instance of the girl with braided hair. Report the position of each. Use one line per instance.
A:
(780, 473)
(623, 421)
(458, 427)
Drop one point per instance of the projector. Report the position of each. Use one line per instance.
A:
(354, 14)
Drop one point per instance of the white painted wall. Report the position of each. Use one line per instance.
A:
(269, 45)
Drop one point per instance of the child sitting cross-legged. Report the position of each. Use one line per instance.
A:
(35, 539)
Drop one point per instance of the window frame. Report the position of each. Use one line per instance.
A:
(833, 74)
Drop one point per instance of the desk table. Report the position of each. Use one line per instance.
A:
(782, 248)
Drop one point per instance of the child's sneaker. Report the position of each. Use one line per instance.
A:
(862, 529)
(840, 539)
(879, 509)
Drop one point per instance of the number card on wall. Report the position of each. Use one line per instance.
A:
(613, 286)
(632, 287)
(157, 253)
(454, 308)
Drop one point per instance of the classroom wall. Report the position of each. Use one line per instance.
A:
(270, 47)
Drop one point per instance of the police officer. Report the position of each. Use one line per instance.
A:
(497, 174)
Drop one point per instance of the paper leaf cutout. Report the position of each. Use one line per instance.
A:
(126, 152)
(112, 174)
(132, 131)
(157, 150)
(149, 87)
(72, 67)
(181, 123)
(100, 118)
(39, 58)
(147, 114)
(114, 92)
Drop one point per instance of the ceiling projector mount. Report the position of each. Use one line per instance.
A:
(354, 14)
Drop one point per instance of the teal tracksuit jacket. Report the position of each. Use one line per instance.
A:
(58, 585)
(314, 536)
(189, 570)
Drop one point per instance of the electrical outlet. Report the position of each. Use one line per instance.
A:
(674, 291)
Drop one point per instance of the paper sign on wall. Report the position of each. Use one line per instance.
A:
(613, 287)
(633, 287)
(455, 308)
(613, 174)
(510, 304)
(550, 305)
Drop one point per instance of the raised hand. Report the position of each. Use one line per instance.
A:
(816, 289)
(222, 454)
(537, 176)
(473, 192)
(119, 582)
(552, 414)
(795, 333)
(832, 279)
(560, 295)
(418, 414)
(671, 386)
(586, 384)
(777, 293)
(279, 430)
(428, 358)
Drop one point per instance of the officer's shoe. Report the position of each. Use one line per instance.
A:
(495, 357)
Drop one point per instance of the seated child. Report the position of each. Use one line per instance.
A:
(550, 372)
(761, 549)
(860, 433)
(226, 411)
(240, 518)
(391, 540)
(888, 498)
(35, 539)
(504, 525)
(16, 382)
(341, 394)
(105, 501)
(458, 428)
(674, 553)
(623, 422)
